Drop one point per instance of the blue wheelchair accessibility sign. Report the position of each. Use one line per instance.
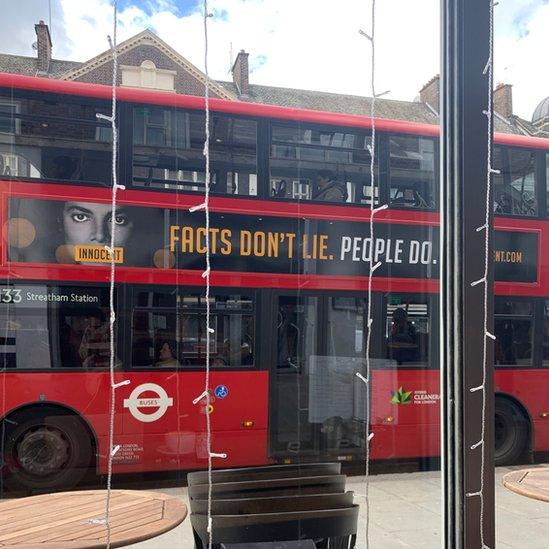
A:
(221, 391)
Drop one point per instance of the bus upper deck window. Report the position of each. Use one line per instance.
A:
(309, 162)
(412, 172)
(515, 186)
(168, 152)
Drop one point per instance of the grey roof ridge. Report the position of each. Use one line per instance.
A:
(31, 58)
(324, 93)
(508, 122)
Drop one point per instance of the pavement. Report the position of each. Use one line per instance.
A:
(406, 512)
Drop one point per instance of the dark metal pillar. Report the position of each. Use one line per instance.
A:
(464, 148)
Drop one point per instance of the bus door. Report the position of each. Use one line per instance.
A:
(317, 401)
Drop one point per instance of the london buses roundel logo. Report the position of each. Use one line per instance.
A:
(137, 404)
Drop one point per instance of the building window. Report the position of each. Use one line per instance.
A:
(148, 76)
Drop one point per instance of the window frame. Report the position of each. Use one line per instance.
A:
(19, 95)
(433, 300)
(320, 127)
(128, 153)
(538, 173)
(385, 175)
(537, 327)
(255, 312)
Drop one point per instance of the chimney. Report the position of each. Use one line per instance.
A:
(503, 100)
(241, 76)
(430, 93)
(43, 46)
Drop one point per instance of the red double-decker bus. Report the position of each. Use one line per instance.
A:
(290, 246)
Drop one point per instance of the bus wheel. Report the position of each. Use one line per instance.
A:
(511, 432)
(46, 449)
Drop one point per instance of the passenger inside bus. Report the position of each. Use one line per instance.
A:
(328, 189)
(167, 354)
(402, 345)
(94, 348)
(240, 357)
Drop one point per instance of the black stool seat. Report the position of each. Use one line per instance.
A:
(254, 506)
(271, 487)
(265, 472)
(301, 544)
(337, 524)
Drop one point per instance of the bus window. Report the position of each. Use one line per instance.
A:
(346, 328)
(515, 187)
(412, 172)
(154, 338)
(176, 336)
(514, 326)
(546, 335)
(408, 330)
(297, 330)
(44, 326)
(547, 183)
(168, 152)
(320, 164)
(53, 138)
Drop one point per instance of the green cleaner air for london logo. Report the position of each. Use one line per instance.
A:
(401, 396)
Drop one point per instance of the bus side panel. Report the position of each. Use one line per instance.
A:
(163, 429)
(87, 394)
(529, 387)
(405, 413)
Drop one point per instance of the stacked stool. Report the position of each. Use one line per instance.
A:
(301, 506)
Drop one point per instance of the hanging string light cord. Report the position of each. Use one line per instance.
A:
(205, 205)
(110, 248)
(206, 273)
(488, 70)
(369, 320)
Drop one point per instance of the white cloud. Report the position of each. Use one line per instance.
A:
(315, 44)
(520, 57)
(305, 44)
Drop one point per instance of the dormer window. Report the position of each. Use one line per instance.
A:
(148, 76)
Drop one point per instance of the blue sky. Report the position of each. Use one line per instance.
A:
(310, 44)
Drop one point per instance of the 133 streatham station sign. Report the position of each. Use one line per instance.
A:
(46, 231)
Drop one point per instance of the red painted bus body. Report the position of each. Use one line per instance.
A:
(242, 418)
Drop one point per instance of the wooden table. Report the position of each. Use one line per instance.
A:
(76, 519)
(532, 483)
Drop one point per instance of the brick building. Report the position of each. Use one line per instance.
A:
(146, 61)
